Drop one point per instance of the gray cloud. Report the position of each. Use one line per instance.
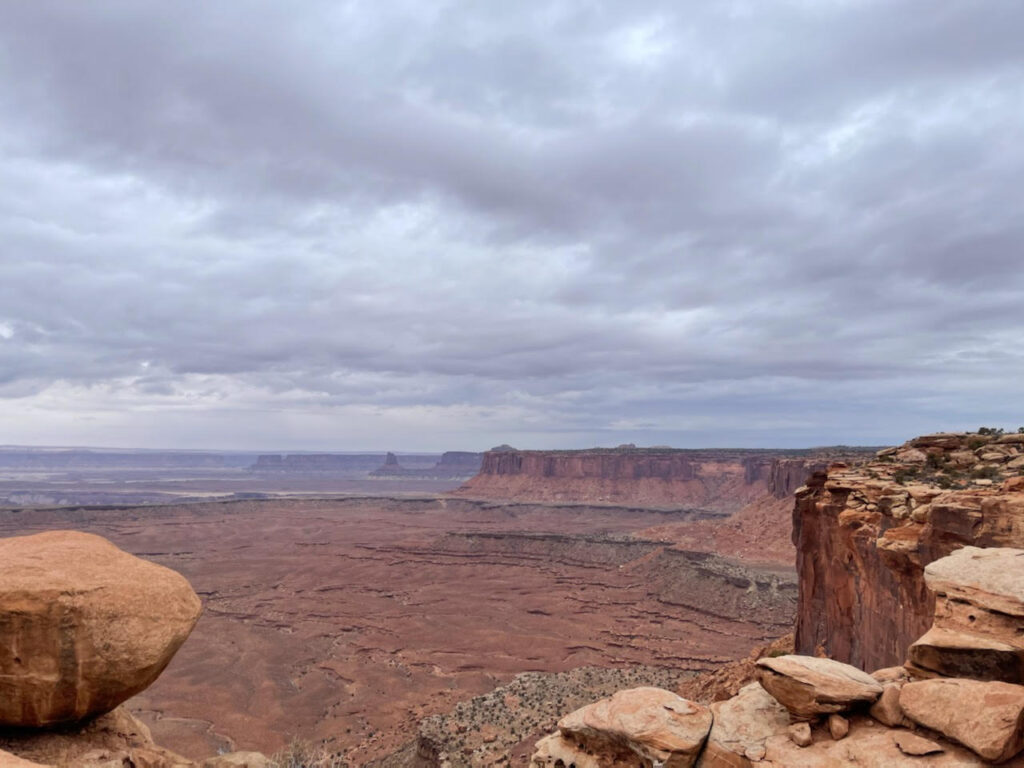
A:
(372, 224)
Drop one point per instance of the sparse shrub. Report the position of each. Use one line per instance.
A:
(991, 431)
(304, 754)
(989, 472)
(903, 474)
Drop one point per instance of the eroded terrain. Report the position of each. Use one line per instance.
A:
(351, 619)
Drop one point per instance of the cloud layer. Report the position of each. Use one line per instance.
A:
(370, 225)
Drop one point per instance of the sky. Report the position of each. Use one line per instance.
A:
(435, 225)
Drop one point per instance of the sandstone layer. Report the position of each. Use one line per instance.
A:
(723, 481)
(864, 535)
(83, 626)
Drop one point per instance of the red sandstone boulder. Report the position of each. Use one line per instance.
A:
(808, 686)
(987, 718)
(649, 724)
(83, 626)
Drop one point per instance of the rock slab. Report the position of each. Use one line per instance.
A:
(809, 686)
(986, 717)
(83, 626)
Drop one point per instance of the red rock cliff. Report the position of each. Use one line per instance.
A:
(864, 534)
(723, 481)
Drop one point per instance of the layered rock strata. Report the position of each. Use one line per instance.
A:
(864, 535)
(721, 480)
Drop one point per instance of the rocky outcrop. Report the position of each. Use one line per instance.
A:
(649, 725)
(116, 738)
(83, 626)
(811, 712)
(865, 533)
(721, 480)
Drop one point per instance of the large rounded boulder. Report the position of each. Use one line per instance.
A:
(83, 626)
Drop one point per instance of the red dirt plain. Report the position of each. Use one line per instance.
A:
(351, 619)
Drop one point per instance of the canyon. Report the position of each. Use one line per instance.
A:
(425, 629)
(350, 620)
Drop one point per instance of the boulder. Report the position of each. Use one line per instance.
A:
(961, 654)
(740, 727)
(809, 686)
(916, 746)
(886, 709)
(991, 579)
(800, 734)
(83, 626)
(651, 724)
(986, 717)
(838, 727)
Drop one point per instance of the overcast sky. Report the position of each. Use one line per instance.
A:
(430, 225)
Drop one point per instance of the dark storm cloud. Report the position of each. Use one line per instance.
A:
(761, 223)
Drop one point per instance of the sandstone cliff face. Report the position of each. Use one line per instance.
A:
(865, 534)
(724, 481)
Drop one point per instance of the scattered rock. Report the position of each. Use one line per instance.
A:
(800, 734)
(911, 744)
(986, 717)
(887, 709)
(85, 626)
(838, 726)
(808, 686)
(740, 727)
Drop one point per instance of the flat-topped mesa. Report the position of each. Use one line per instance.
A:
(457, 465)
(864, 534)
(723, 480)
